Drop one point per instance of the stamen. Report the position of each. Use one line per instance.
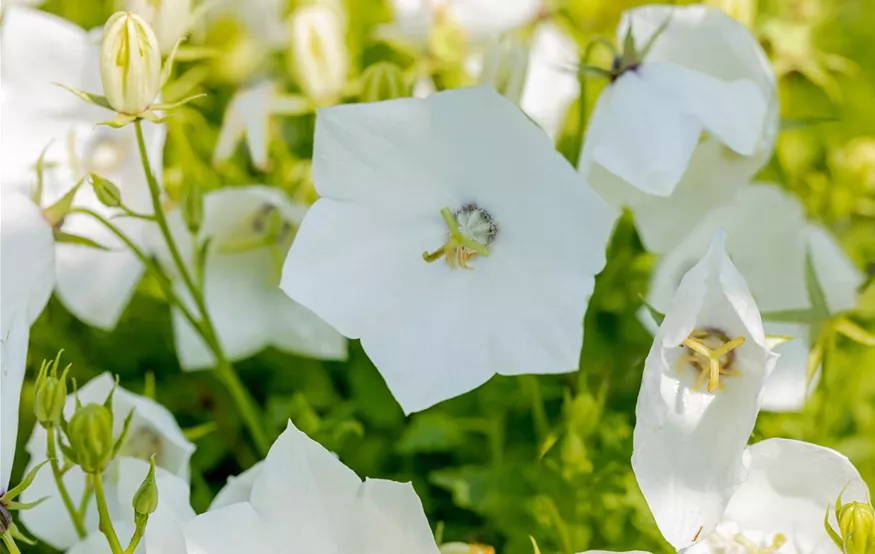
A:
(471, 230)
(710, 360)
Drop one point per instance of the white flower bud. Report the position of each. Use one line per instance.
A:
(319, 57)
(130, 63)
(168, 18)
(505, 65)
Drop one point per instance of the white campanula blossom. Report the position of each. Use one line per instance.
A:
(153, 431)
(318, 55)
(769, 240)
(248, 231)
(130, 63)
(303, 499)
(678, 131)
(451, 238)
(700, 395)
(169, 19)
(40, 50)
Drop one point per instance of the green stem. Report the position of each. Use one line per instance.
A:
(10, 543)
(52, 451)
(224, 370)
(135, 539)
(105, 522)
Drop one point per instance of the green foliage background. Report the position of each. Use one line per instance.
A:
(546, 456)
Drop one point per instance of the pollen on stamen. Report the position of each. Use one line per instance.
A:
(711, 354)
(471, 231)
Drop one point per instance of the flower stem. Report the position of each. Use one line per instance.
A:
(10, 543)
(138, 535)
(105, 522)
(52, 451)
(224, 370)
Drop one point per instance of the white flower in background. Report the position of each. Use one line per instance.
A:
(169, 19)
(699, 399)
(318, 56)
(263, 20)
(237, 488)
(153, 431)
(452, 238)
(163, 531)
(768, 239)
(249, 230)
(305, 500)
(248, 117)
(705, 74)
(780, 507)
(504, 66)
(39, 50)
(28, 276)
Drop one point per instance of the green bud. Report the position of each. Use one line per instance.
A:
(193, 207)
(107, 193)
(857, 526)
(50, 392)
(383, 81)
(90, 435)
(146, 498)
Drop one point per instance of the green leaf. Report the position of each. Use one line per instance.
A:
(431, 432)
(69, 238)
(792, 123)
(654, 313)
(854, 332)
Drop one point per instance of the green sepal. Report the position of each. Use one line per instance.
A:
(119, 121)
(56, 213)
(13, 505)
(12, 493)
(95, 99)
(172, 105)
(657, 316)
(815, 292)
(854, 332)
(126, 427)
(69, 238)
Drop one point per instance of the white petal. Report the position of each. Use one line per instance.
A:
(486, 18)
(788, 387)
(839, 278)
(391, 519)
(13, 358)
(689, 445)
(49, 521)
(229, 530)
(248, 113)
(237, 488)
(551, 84)
(28, 259)
(172, 490)
(792, 485)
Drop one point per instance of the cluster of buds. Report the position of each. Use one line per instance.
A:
(856, 522)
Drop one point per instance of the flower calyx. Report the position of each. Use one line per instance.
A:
(856, 521)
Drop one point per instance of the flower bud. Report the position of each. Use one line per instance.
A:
(857, 526)
(5, 520)
(130, 64)
(50, 393)
(319, 58)
(383, 81)
(90, 435)
(193, 207)
(169, 19)
(505, 65)
(145, 499)
(106, 191)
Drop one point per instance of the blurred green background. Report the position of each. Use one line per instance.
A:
(546, 456)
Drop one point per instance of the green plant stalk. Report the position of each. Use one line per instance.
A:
(135, 540)
(105, 522)
(10, 543)
(52, 451)
(224, 370)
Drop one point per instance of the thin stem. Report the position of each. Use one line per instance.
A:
(139, 531)
(105, 522)
(224, 370)
(52, 451)
(10, 543)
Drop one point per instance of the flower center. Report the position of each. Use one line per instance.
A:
(750, 547)
(710, 353)
(471, 231)
(142, 443)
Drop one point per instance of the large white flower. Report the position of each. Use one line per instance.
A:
(41, 50)
(692, 122)
(304, 499)
(163, 531)
(153, 431)
(249, 230)
(448, 180)
(28, 276)
(769, 239)
(699, 399)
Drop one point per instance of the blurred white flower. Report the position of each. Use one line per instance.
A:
(153, 431)
(28, 276)
(462, 179)
(504, 66)
(768, 238)
(319, 58)
(699, 399)
(705, 73)
(39, 50)
(249, 230)
(305, 500)
(237, 488)
(263, 20)
(169, 19)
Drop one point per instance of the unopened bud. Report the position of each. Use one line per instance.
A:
(383, 81)
(319, 58)
(193, 207)
(145, 499)
(5, 520)
(857, 526)
(106, 191)
(169, 19)
(130, 63)
(90, 435)
(50, 393)
(505, 65)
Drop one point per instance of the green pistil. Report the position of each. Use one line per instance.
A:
(455, 241)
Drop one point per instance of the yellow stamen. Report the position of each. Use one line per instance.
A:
(714, 357)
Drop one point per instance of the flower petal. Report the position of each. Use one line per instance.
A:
(13, 358)
(788, 387)
(237, 488)
(390, 519)
(551, 83)
(839, 278)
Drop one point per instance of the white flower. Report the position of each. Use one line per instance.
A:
(153, 431)
(249, 231)
(318, 55)
(169, 19)
(305, 500)
(39, 50)
(163, 531)
(505, 64)
(768, 239)
(699, 399)
(237, 489)
(28, 276)
(393, 177)
(705, 73)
